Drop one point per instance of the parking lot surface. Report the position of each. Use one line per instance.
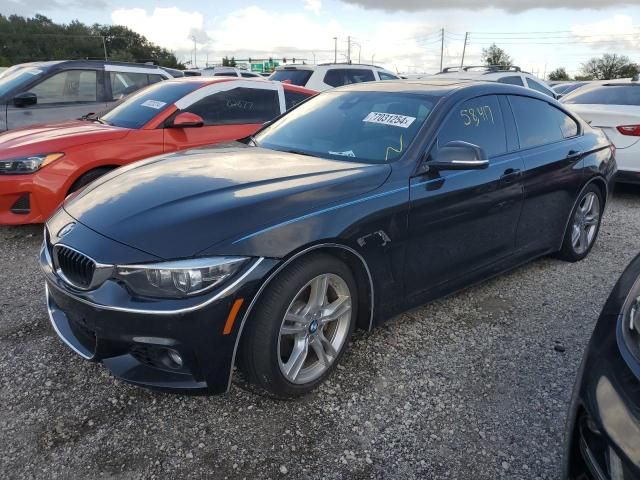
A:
(475, 386)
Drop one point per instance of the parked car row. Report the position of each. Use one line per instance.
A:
(42, 164)
(317, 215)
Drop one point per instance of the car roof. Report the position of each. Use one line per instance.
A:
(87, 63)
(259, 81)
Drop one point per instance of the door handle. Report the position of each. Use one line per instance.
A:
(510, 175)
(574, 153)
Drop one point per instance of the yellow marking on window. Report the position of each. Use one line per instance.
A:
(391, 149)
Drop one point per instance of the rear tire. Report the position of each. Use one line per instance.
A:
(584, 225)
(87, 178)
(300, 327)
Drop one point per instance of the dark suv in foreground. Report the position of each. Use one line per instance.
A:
(358, 204)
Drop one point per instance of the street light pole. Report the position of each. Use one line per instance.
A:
(349, 49)
(335, 49)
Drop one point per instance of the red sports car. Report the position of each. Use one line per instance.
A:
(42, 164)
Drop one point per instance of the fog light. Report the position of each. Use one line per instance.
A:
(174, 358)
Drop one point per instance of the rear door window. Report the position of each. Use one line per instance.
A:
(537, 86)
(540, 123)
(477, 121)
(294, 77)
(124, 83)
(71, 86)
(238, 106)
(291, 98)
(337, 77)
(512, 80)
(387, 76)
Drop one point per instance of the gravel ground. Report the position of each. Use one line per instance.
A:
(475, 386)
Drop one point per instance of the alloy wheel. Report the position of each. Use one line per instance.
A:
(314, 328)
(585, 223)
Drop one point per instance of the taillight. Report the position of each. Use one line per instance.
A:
(629, 130)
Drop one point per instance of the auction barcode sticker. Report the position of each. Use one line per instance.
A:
(392, 119)
(157, 104)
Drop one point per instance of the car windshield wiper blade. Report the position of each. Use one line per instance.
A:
(92, 117)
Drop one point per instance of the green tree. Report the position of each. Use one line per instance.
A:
(37, 38)
(609, 67)
(494, 55)
(229, 62)
(559, 74)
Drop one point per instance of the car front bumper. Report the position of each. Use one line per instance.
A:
(139, 345)
(26, 199)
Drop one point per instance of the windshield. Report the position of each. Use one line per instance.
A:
(143, 106)
(17, 77)
(371, 127)
(605, 95)
(295, 77)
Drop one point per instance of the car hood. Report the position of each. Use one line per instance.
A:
(177, 205)
(55, 137)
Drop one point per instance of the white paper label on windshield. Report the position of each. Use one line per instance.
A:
(153, 104)
(348, 153)
(392, 119)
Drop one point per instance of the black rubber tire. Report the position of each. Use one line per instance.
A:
(87, 178)
(257, 357)
(567, 252)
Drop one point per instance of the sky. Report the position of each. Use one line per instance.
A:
(402, 35)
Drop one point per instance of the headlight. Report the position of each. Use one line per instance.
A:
(180, 278)
(31, 164)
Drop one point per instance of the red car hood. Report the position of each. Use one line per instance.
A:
(56, 137)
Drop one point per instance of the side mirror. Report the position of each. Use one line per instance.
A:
(458, 155)
(25, 99)
(186, 120)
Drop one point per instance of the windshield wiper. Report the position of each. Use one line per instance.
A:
(91, 117)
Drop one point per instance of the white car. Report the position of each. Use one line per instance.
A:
(614, 107)
(511, 75)
(330, 75)
(222, 72)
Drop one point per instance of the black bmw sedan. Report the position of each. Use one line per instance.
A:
(603, 434)
(356, 205)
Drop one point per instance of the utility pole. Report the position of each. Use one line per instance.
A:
(104, 45)
(195, 52)
(464, 49)
(442, 50)
(335, 49)
(349, 49)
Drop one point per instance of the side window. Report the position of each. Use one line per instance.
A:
(387, 76)
(248, 75)
(478, 121)
(540, 123)
(238, 106)
(512, 80)
(291, 99)
(537, 86)
(68, 87)
(124, 83)
(337, 77)
(155, 79)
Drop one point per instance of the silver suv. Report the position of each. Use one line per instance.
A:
(44, 92)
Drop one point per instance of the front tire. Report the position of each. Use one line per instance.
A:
(584, 225)
(301, 326)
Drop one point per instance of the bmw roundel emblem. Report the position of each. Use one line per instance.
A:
(66, 229)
